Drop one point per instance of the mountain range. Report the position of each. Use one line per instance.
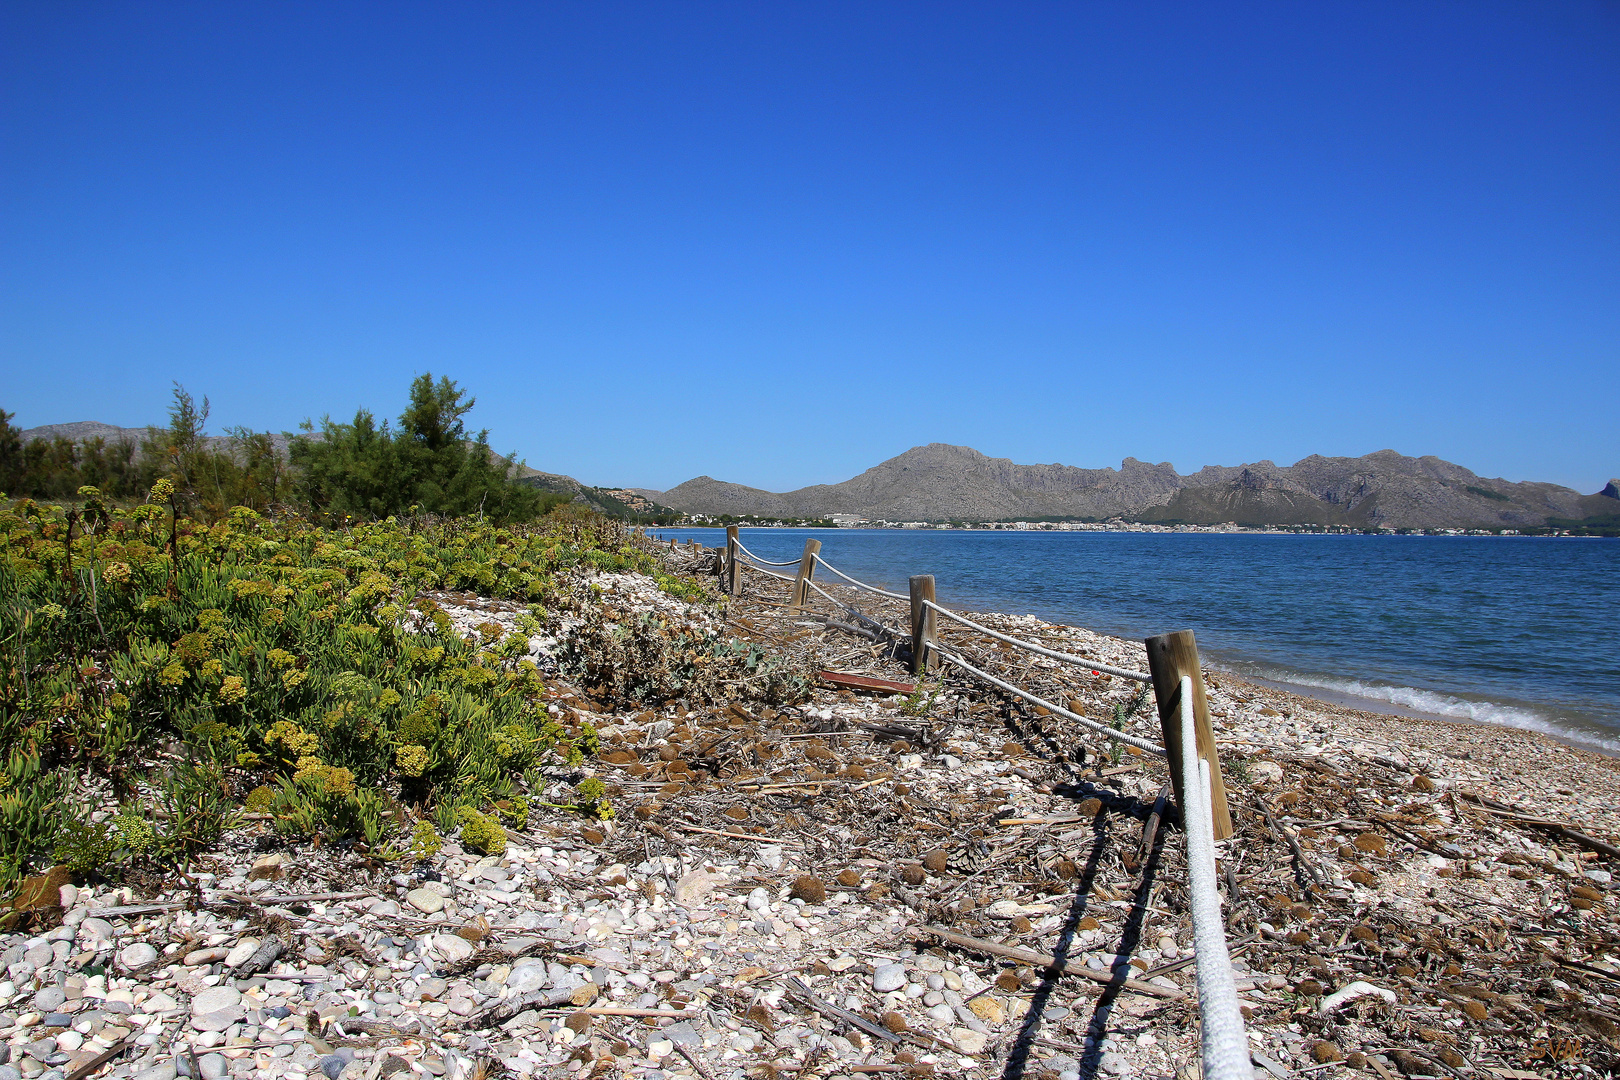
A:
(939, 482)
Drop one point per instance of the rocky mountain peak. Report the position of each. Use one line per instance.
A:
(943, 482)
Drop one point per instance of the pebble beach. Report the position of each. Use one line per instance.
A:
(947, 882)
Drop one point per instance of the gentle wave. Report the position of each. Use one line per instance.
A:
(1438, 703)
(1511, 632)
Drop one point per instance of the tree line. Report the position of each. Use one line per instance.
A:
(365, 469)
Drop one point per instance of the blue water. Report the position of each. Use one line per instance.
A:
(1521, 631)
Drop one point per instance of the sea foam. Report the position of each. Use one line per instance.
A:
(1440, 704)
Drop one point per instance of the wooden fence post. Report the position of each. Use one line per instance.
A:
(922, 624)
(1170, 657)
(807, 570)
(733, 571)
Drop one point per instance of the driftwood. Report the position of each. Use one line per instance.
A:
(500, 1014)
(1042, 960)
(1150, 827)
(262, 957)
(1279, 829)
(833, 1012)
(100, 1059)
(849, 628)
(1523, 817)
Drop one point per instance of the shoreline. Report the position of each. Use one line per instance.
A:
(1223, 529)
(1345, 701)
(762, 861)
(1587, 728)
(1379, 707)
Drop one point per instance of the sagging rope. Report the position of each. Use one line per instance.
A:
(859, 584)
(812, 583)
(1030, 646)
(767, 562)
(767, 573)
(1225, 1050)
(1083, 721)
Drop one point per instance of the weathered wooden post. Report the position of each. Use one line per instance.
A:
(733, 570)
(1170, 657)
(922, 624)
(807, 570)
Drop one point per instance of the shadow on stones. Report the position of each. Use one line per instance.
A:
(1018, 1059)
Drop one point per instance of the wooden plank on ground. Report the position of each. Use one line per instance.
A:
(867, 682)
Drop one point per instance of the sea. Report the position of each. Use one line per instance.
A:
(1521, 632)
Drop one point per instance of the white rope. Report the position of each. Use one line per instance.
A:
(767, 573)
(1083, 721)
(1225, 1044)
(767, 562)
(1032, 647)
(859, 584)
(812, 583)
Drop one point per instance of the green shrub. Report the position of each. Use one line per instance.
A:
(425, 842)
(274, 656)
(480, 832)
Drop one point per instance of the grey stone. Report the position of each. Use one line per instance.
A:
(137, 955)
(214, 999)
(527, 977)
(454, 949)
(218, 1021)
(213, 1066)
(682, 1034)
(889, 977)
(165, 1071)
(425, 900)
(332, 1066)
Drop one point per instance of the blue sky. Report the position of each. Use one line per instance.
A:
(779, 243)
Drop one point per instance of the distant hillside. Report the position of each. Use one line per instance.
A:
(939, 482)
(87, 430)
(614, 502)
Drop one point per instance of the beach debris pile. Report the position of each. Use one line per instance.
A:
(847, 884)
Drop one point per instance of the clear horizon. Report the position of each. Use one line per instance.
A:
(780, 246)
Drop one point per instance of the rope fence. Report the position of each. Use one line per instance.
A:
(766, 562)
(1057, 710)
(1040, 650)
(1176, 675)
(1225, 1045)
(860, 584)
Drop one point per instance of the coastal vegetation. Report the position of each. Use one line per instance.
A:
(190, 666)
(265, 663)
(361, 470)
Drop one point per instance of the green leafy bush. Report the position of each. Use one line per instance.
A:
(270, 655)
(480, 832)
